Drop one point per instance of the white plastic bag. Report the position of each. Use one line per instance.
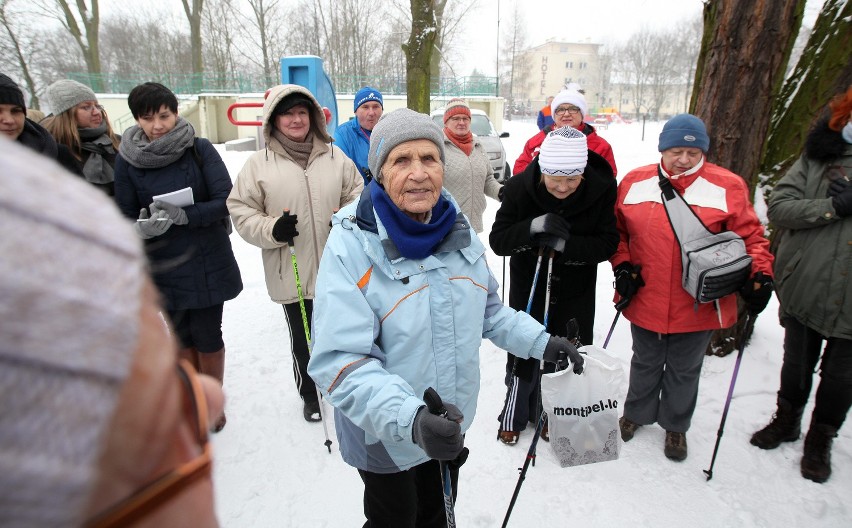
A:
(583, 411)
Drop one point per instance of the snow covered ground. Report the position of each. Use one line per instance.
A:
(271, 468)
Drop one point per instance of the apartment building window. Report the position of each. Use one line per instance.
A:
(584, 65)
(569, 65)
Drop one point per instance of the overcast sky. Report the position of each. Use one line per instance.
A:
(599, 21)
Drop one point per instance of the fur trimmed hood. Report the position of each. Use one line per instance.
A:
(824, 144)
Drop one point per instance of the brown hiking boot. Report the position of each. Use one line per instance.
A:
(785, 426)
(508, 437)
(816, 464)
(675, 446)
(545, 432)
(628, 428)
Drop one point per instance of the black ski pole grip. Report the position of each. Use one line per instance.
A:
(434, 402)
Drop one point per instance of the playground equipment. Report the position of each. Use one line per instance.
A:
(307, 71)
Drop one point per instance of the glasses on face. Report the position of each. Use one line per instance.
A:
(89, 108)
(573, 110)
(164, 488)
(459, 119)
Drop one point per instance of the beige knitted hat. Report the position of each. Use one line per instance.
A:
(71, 269)
(67, 93)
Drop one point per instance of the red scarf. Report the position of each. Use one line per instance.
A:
(465, 142)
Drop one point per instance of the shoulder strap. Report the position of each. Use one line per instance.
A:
(687, 226)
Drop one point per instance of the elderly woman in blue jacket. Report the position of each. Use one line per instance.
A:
(404, 299)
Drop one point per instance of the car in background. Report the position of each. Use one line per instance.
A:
(484, 130)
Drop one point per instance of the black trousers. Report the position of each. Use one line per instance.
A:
(199, 327)
(408, 499)
(299, 348)
(802, 348)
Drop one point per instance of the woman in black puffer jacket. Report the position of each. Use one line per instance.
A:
(188, 244)
(565, 201)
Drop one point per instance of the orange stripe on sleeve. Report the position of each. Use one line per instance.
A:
(362, 282)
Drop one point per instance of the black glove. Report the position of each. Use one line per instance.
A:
(756, 292)
(559, 347)
(439, 436)
(177, 214)
(841, 197)
(628, 280)
(552, 230)
(500, 193)
(284, 229)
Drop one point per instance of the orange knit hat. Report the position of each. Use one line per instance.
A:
(454, 107)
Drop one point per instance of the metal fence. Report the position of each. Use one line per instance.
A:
(191, 83)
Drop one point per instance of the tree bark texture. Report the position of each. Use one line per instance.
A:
(87, 37)
(745, 50)
(823, 70)
(418, 54)
(193, 16)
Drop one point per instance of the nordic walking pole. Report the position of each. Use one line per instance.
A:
(307, 328)
(503, 284)
(523, 475)
(548, 284)
(529, 301)
(619, 306)
(535, 279)
(709, 472)
(572, 334)
(436, 407)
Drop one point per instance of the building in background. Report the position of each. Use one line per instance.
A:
(555, 64)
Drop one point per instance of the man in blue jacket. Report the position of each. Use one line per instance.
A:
(353, 136)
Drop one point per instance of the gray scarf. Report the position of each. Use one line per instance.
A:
(143, 153)
(299, 151)
(95, 141)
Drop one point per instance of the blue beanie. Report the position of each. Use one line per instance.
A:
(367, 94)
(684, 130)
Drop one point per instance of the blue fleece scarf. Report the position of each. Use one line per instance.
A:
(413, 239)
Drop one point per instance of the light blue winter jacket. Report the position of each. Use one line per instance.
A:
(386, 328)
(355, 144)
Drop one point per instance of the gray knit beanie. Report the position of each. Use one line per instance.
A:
(70, 286)
(66, 93)
(398, 127)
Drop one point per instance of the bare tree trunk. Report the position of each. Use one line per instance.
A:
(87, 37)
(418, 54)
(824, 69)
(744, 53)
(19, 55)
(193, 15)
(438, 48)
(740, 72)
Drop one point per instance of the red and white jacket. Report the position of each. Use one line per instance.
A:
(721, 199)
(595, 143)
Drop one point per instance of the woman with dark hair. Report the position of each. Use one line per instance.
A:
(283, 200)
(15, 125)
(563, 201)
(813, 204)
(188, 245)
(80, 123)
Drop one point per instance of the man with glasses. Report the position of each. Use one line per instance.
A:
(100, 425)
(568, 109)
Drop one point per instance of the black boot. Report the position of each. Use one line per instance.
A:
(816, 463)
(785, 426)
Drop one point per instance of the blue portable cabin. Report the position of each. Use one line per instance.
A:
(307, 71)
